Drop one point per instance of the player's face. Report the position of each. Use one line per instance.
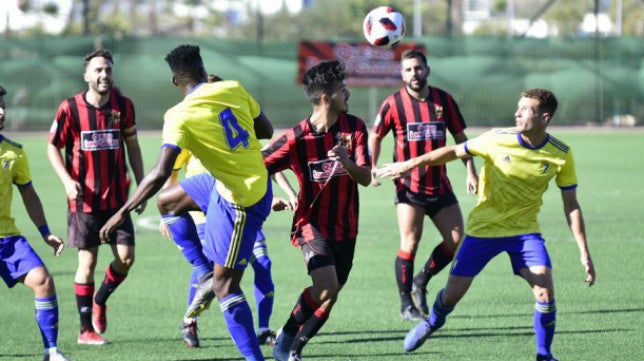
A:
(2, 107)
(414, 73)
(528, 118)
(98, 75)
(340, 98)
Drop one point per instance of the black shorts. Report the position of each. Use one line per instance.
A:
(432, 204)
(83, 228)
(321, 252)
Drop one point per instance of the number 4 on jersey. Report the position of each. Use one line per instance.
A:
(235, 134)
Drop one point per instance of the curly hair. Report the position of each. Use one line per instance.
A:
(547, 100)
(186, 60)
(3, 91)
(322, 78)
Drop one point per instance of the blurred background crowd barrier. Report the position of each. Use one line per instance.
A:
(599, 81)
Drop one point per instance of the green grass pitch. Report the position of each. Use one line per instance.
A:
(493, 321)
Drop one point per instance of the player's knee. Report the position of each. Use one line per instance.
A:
(163, 203)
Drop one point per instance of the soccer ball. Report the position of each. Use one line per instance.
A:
(384, 26)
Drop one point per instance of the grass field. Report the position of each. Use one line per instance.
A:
(493, 322)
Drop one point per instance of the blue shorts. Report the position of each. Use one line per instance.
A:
(231, 230)
(17, 258)
(525, 250)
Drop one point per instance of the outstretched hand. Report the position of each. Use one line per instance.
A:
(394, 170)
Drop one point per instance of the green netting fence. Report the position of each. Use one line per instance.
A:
(596, 80)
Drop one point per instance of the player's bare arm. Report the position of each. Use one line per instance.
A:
(136, 163)
(263, 127)
(436, 157)
(72, 188)
(472, 179)
(148, 187)
(375, 146)
(575, 219)
(34, 208)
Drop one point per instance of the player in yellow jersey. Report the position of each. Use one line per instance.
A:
(519, 164)
(219, 123)
(19, 263)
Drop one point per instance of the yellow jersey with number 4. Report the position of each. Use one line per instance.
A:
(215, 122)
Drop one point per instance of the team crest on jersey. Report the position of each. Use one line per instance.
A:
(417, 132)
(439, 112)
(115, 117)
(344, 140)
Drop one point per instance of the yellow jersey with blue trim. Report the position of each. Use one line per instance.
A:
(14, 170)
(513, 179)
(215, 122)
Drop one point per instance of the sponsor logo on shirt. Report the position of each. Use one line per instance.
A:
(100, 139)
(425, 131)
(320, 170)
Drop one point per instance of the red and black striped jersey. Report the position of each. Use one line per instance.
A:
(328, 199)
(419, 126)
(94, 149)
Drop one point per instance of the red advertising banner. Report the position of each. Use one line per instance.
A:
(366, 65)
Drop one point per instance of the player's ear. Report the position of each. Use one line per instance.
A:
(174, 81)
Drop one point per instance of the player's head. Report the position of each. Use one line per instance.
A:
(186, 65)
(414, 69)
(547, 100)
(535, 110)
(326, 78)
(98, 71)
(3, 92)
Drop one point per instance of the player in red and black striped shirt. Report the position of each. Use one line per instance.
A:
(97, 129)
(328, 152)
(419, 116)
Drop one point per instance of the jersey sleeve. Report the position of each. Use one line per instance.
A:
(173, 134)
(382, 123)
(456, 122)
(566, 177)
(277, 153)
(59, 131)
(129, 126)
(21, 173)
(479, 146)
(362, 157)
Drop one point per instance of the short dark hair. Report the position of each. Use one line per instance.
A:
(186, 60)
(3, 91)
(322, 78)
(413, 53)
(98, 54)
(547, 100)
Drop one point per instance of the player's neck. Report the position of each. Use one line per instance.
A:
(323, 121)
(534, 139)
(419, 94)
(97, 100)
